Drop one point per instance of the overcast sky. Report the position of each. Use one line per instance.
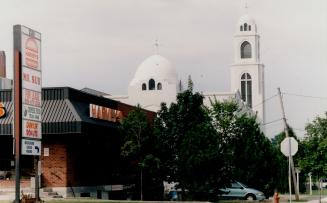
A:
(99, 44)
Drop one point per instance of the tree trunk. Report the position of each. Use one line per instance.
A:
(141, 184)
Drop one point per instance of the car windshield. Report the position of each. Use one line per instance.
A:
(244, 185)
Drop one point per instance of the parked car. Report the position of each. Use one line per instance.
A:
(323, 182)
(238, 190)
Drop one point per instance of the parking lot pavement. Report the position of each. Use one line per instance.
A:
(303, 198)
(318, 201)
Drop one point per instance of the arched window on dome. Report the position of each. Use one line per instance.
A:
(245, 27)
(249, 27)
(246, 89)
(246, 51)
(159, 86)
(143, 86)
(152, 84)
(241, 28)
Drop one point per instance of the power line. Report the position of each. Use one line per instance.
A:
(274, 121)
(298, 129)
(264, 101)
(307, 96)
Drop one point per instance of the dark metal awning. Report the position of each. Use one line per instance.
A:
(64, 111)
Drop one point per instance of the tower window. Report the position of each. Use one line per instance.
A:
(143, 86)
(246, 89)
(241, 28)
(245, 27)
(152, 84)
(246, 51)
(249, 27)
(159, 86)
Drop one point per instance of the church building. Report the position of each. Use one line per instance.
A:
(156, 79)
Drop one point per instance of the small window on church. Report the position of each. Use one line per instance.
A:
(152, 84)
(245, 27)
(249, 27)
(246, 51)
(241, 28)
(159, 86)
(143, 86)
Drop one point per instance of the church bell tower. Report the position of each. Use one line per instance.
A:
(247, 73)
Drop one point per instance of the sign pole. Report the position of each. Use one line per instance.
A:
(36, 168)
(27, 99)
(17, 121)
(291, 164)
(289, 173)
(310, 183)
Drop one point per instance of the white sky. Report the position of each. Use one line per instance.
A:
(100, 43)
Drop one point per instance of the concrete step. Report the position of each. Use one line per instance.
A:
(52, 193)
(49, 193)
(47, 190)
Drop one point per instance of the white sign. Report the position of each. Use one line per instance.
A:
(31, 48)
(29, 44)
(289, 146)
(31, 113)
(46, 151)
(31, 79)
(32, 129)
(31, 147)
(31, 98)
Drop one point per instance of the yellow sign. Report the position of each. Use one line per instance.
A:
(2, 110)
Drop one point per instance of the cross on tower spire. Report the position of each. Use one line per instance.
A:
(246, 6)
(156, 44)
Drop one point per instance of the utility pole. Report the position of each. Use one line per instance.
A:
(290, 160)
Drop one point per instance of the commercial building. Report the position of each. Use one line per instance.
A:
(80, 143)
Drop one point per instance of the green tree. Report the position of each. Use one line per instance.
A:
(189, 145)
(204, 148)
(314, 156)
(249, 151)
(138, 147)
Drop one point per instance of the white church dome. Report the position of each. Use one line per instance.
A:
(157, 68)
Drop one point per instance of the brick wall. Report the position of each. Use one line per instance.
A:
(54, 166)
(125, 108)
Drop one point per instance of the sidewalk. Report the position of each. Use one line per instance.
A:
(303, 198)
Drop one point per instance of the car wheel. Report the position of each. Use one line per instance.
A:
(250, 197)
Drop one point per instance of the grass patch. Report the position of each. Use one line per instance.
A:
(317, 192)
(86, 200)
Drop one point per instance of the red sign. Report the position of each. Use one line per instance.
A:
(32, 129)
(105, 113)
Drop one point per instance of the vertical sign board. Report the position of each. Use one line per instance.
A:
(31, 89)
